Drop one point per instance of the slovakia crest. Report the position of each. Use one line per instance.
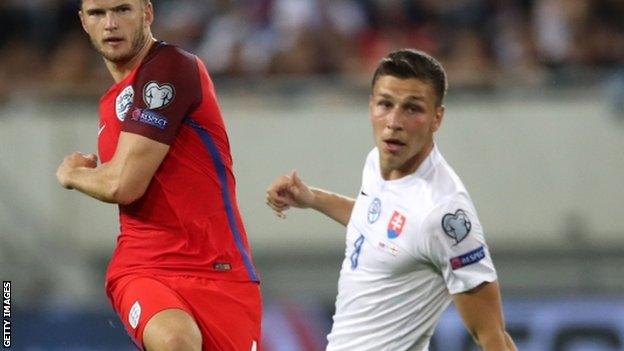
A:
(374, 210)
(396, 224)
(158, 95)
(456, 225)
(124, 102)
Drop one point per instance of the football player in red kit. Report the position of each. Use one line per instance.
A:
(181, 276)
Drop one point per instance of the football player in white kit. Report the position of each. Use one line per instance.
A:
(414, 242)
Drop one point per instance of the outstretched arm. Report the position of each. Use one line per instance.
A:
(481, 311)
(123, 179)
(288, 190)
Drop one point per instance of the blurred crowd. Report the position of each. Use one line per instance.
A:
(482, 43)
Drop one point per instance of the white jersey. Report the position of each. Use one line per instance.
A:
(411, 243)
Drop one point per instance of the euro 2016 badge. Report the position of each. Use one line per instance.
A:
(456, 225)
(157, 96)
(396, 224)
(374, 210)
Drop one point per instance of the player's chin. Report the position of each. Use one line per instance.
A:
(116, 58)
(390, 160)
(392, 155)
(115, 55)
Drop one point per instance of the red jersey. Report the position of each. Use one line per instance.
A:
(188, 221)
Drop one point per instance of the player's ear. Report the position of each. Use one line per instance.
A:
(437, 119)
(81, 15)
(149, 13)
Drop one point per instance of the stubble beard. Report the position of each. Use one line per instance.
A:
(137, 44)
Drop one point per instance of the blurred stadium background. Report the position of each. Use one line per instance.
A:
(534, 125)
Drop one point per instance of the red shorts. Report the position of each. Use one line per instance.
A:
(227, 313)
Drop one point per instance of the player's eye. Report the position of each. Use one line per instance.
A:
(96, 12)
(411, 108)
(123, 9)
(384, 103)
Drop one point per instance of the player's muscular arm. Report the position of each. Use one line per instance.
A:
(480, 309)
(288, 190)
(124, 178)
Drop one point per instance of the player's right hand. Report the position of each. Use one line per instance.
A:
(286, 191)
(72, 161)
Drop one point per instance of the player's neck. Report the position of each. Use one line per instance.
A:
(119, 71)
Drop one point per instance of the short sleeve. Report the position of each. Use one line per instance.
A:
(456, 245)
(166, 89)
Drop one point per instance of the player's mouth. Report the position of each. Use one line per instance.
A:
(114, 41)
(393, 145)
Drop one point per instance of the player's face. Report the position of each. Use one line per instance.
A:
(118, 28)
(404, 114)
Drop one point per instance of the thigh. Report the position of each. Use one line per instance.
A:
(172, 329)
(228, 313)
(137, 299)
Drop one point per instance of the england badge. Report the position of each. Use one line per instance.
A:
(395, 226)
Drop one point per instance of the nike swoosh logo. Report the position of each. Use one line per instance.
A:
(101, 129)
(363, 193)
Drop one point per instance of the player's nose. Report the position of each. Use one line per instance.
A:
(111, 21)
(393, 120)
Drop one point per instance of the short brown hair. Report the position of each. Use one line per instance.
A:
(411, 63)
(144, 2)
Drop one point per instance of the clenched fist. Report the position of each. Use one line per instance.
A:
(71, 162)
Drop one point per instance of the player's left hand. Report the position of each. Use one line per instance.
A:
(286, 191)
(71, 162)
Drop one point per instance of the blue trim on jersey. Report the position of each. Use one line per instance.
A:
(220, 167)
